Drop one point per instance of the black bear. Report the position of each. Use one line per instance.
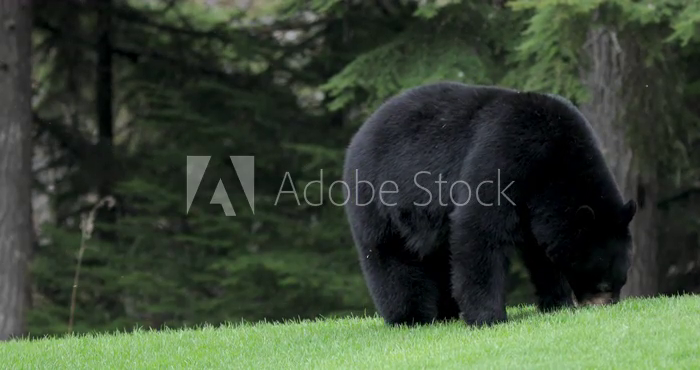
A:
(445, 180)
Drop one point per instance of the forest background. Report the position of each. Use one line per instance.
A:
(112, 95)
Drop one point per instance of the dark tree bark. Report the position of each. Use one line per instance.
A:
(104, 73)
(105, 117)
(16, 231)
(607, 77)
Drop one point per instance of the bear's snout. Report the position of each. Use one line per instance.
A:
(598, 299)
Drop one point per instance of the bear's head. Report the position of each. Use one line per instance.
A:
(597, 266)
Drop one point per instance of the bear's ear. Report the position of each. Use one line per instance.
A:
(628, 212)
(585, 217)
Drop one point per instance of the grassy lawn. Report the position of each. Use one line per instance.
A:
(650, 334)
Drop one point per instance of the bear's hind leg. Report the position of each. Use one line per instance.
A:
(400, 283)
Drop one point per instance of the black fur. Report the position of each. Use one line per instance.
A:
(432, 259)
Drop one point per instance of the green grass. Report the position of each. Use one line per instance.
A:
(651, 334)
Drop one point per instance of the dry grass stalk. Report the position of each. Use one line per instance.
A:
(86, 226)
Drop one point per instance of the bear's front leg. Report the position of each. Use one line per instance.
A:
(551, 288)
(479, 267)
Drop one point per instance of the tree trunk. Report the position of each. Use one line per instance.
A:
(16, 232)
(104, 89)
(606, 79)
(103, 86)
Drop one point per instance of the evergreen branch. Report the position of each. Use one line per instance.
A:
(69, 139)
(686, 193)
(136, 55)
(131, 15)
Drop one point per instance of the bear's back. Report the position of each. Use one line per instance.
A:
(425, 115)
(433, 128)
(427, 127)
